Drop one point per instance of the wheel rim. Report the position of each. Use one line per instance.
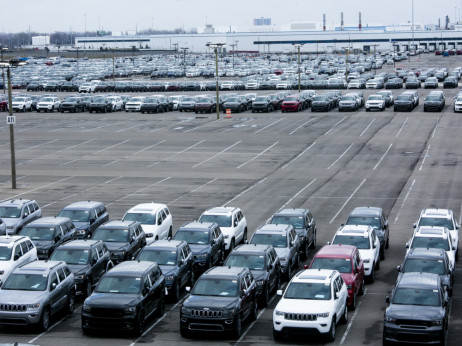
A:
(71, 304)
(46, 319)
(88, 288)
(245, 236)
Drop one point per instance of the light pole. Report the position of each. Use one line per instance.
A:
(346, 62)
(298, 45)
(3, 70)
(375, 61)
(184, 49)
(215, 47)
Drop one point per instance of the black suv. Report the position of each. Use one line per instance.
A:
(429, 260)
(264, 264)
(221, 299)
(124, 239)
(86, 216)
(48, 233)
(87, 259)
(72, 105)
(418, 310)
(372, 216)
(304, 224)
(125, 298)
(207, 244)
(262, 103)
(405, 102)
(434, 101)
(176, 261)
(100, 104)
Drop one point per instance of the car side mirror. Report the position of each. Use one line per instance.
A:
(328, 243)
(53, 286)
(16, 256)
(180, 262)
(132, 239)
(398, 268)
(336, 295)
(145, 291)
(279, 292)
(149, 235)
(374, 246)
(407, 245)
(92, 261)
(159, 222)
(387, 299)
(188, 289)
(414, 225)
(213, 242)
(270, 267)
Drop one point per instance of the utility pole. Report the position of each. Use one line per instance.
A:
(215, 47)
(10, 112)
(3, 70)
(298, 45)
(184, 49)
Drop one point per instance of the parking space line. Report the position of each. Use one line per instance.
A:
(436, 126)
(404, 201)
(293, 160)
(182, 151)
(38, 145)
(40, 335)
(346, 202)
(367, 127)
(401, 128)
(107, 125)
(301, 126)
(221, 152)
(340, 156)
(275, 122)
(208, 183)
(378, 163)
(132, 154)
(333, 127)
(38, 188)
(195, 128)
(245, 191)
(425, 157)
(138, 191)
(255, 157)
(351, 321)
(110, 147)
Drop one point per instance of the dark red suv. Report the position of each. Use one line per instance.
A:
(347, 260)
(3, 103)
(292, 103)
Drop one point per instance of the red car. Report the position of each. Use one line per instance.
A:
(3, 103)
(292, 103)
(347, 260)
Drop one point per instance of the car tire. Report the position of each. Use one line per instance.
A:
(382, 253)
(377, 265)
(45, 319)
(254, 313)
(139, 326)
(353, 303)
(88, 288)
(277, 336)
(70, 306)
(185, 333)
(232, 245)
(244, 237)
(237, 329)
(344, 319)
(361, 288)
(170, 233)
(265, 297)
(332, 331)
(372, 275)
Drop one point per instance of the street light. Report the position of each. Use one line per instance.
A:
(3, 70)
(184, 49)
(298, 45)
(375, 61)
(346, 62)
(215, 47)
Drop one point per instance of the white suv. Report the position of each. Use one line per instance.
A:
(134, 104)
(367, 242)
(375, 102)
(433, 237)
(88, 87)
(315, 300)
(22, 103)
(155, 219)
(441, 218)
(15, 251)
(232, 223)
(48, 104)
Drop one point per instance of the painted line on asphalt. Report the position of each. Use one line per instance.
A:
(180, 152)
(301, 126)
(55, 152)
(38, 145)
(333, 127)
(255, 157)
(132, 154)
(340, 156)
(110, 147)
(195, 128)
(367, 127)
(184, 195)
(238, 125)
(346, 202)
(436, 126)
(401, 128)
(404, 201)
(245, 191)
(386, 152)
(273, 123)
(102, 126)
(38, 188)
(42, 334)
(351, 321)
(138, 191)
(425, 157)
(293, 160)
(221, 152)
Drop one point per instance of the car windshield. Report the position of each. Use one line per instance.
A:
(72, 100)
(253, 262)
(412, 296)
(136, 99)
(417, 265)
(111, 234)
(10, 212)
(232, 99)
(46, 99)
(375, 97)
(367, 221)
(347, 98)
(162, 257)
(403, 98)
(19, 99)
(221, 220)
(76, 215)
(320, 98)
(204, 100)
(5, 253)
(308, 290)
(261, 99)
(150, 101)
(188, 99)
(295, 221)
(343, 265)
(432, 98)
(99, 99)
(38, 233)
(119, 285)
(359, 241)
(277, 240)
(428, 242)
(26, 282)
(142, 218)
(71, 256)
(291, 98)
(436, 221)
(216, 287)
(193, 237)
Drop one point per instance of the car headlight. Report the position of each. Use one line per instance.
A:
(229, 313)
(437, 323)
(81, 232)
(170, 278)
(323, 315)
(185, 311)
(202, 256)
(278, 313)
(118, 253)
(86, 308)
(390, 320)
(130, 310)
(260, 282)
(33, 306)
(283, 259)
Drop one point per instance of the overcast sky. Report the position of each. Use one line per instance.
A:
(48, 16)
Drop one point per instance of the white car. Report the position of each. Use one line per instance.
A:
(375, 102)
(155, 219)
(116, 101)
(175, 100)
(314, 300)
(232, 223)
(15, 251)
(443, 218)
(22, 104)
(367, 242)
(134, 104)
(48, 104)
(87, 88)
(374, 84)
(458, 103)
(252, 85)
(433, 237)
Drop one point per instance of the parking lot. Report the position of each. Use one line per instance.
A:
(327, 162)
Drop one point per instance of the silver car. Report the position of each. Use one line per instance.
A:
(17, 213)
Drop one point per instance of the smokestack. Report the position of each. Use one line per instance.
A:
(360, 26)
(447, 23)
(341, 21)
(324, 22)
(439, 23)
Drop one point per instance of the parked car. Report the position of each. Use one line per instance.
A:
(322, 102)
(48, 104)
(15, 251)
(100, 104)
(151, 105)
(431, 82)
(262, 104)
(72, 105)
(349, 102)
(205, 105)
(435, 101)
(236, 104)
(292, 103)
(21, 104)
(404, 102)
(16, 213)
(450, 82)
(375, 101)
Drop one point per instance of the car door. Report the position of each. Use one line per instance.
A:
(148, 294)
(339, 305)
(55, 292)
(96, 265)
(182, 266)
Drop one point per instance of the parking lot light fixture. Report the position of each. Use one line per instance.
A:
(215, 47)
(298, 45)
(184, 49)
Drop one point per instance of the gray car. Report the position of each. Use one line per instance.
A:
(35, 292)
(17, 213)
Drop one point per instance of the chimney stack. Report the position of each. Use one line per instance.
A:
(324, 22)
(360, 25)
(341, 21)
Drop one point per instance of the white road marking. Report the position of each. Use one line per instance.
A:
(301, 126)
(182, 151)
(378, 163)
(55, 152)
(195, 128)
(40, 335)
(221, 152)
(425, 156)
(38, 188)
(304, 151)
(38, 145)
(340, 156)
(275, 122)
(367, 127)
(333, 127)
(404, 201)
(245, 191)
(164, 127)
(107, 125)
(346, 202)
(255, 157)
(351, 321)
(132, 154)
(436, 126)
(401, 128)
(208, 183)
(138, 191)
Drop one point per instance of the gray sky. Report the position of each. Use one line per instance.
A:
(48, 16)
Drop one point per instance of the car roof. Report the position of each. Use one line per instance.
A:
(292, 211)
(81, 244)
(224, 272)
(82, 205)
(220, 210)
(366, 211)
(420, 252)
(251, 249)
(15, 202)
(419, 280)
(363, 230)
(336, 251)
(431, 231)
(48, 221)
(273, 228)
(315, 275)
(165, 244)
(436, 212)
(146, 208)
(39, 267)
(117, 224)
(131, 268)
(196, 226)
(9, 240)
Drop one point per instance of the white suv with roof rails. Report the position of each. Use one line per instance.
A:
(155, 220)
(232, 223)
(367, 242)
(433, 237)
(442, 218)
(15, 251)
(314, 301)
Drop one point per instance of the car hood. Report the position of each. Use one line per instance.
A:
(79, 268)
(211, 302)
(300, 306)
(81, 225)
(256, 103)
(43, 244)
(282, 252)
(415, 312)
(259, 274)
(114, 246)
(197, 249)
(10, 221)
(168, 270)
(22, 297)
(348, 278)
(111, 300)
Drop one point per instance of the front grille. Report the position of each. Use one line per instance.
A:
(300, 317)
(13, 307)
(206, 313)
(103, 312)
(415, 323)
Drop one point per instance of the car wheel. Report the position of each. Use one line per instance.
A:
(372, 275)
(161, 307)
(176, 292)
(353, 302)
(289, 271)
(237, 330)
(185, 332)
(331, 332)
(361, 288)
(305, 250)
(387, 244)
(277, 336)
(70, 306)
(232, 245)
(344, 318)
(377, 265)
(45, 320)
(139, 327)
(313, 243)
(382, 253)
(254, 314)
(244, 237)
(88, 288)
(170, 233)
